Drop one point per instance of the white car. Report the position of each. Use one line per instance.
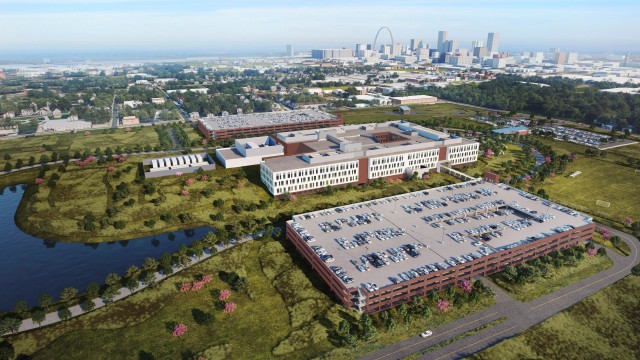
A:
(426, 333)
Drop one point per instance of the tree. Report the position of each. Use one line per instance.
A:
(133, 272)
(93, 290)
(132, 283)
(602, 252)
(21, 308)
(68, 294)
(38, 316)
(344, 327)
(202, 317)
(179, 330)
(87, 305)
(149, 278)
(45, 301)
(615, 240)
(10, 324)
(110, 294)
(636, 270)
(150, 264)
(112, 279)
(64, 314)
(8, 167)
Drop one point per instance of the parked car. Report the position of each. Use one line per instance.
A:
(426, 333)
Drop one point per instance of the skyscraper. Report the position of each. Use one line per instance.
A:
(290, 50)
(477, 44)
(442, 37)
(412, 45)
(493, 40)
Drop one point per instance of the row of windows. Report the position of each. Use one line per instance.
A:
(316, 185)
(315, 170)
(316, 177)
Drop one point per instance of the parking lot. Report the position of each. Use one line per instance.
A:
(582, 137)
(390, 240)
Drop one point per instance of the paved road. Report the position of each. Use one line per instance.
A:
(520, 315)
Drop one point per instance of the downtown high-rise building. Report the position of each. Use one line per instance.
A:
(442, 38)
(290, 50)
(477, 44)
(493, 41)
(412, 45)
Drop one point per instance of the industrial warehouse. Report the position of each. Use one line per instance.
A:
(380, 253)
(358, 154)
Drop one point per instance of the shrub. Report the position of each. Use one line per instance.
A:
(202, 317)
(87, 305)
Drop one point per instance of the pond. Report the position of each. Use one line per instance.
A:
(30, 267)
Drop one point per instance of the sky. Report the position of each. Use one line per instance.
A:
(211, 26)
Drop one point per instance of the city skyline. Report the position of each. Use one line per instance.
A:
(144, 25)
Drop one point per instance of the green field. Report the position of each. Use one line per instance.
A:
(80, 191)
(605, 179)
(557, 279)
(24, 147)
(451, 115)
(284, 314)
(602, 326)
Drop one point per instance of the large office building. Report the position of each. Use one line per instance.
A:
(235, 126)
(378, 254)
(493, 40)
(358, 154)
(442, 38)
(327, 54)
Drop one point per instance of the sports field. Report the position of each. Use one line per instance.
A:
(607, 179)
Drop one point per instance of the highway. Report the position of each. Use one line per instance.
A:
(520, 315)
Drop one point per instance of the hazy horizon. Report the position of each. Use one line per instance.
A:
(256, 27)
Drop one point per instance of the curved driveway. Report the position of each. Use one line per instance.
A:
(520, 315)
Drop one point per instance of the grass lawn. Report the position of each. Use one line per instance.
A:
(558, 278)
(54, 213)
(284, 314)
(23, 148)
(459, 114)
(602, 326)
(497, 163)
(622, 248)
(605, 179)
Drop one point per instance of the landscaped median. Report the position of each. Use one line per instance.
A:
(551, 272)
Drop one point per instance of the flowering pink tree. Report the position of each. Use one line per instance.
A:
(42, 149)
(39, 181)
(122, 158)
(111, 168)
(526, 186)
(604, 232)
(552, 175)
(489, 153)
(91, 159)
(628, 221)
(547, 159)
(115, 156)
(207, 278)
(203, 142)
(465, 285)
(293, 197)
(179, 330)
(224, 294)
(87, 132)
(184, 192)
(197, 286)
(127, 130)
(591, 251)
(527, 178)
(229, 308)
(189, 181)
(442, 305)
(185, 287)
(399, 181)
(178, 174)
(389, 180)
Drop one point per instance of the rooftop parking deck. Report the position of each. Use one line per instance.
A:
(263, 119)
(390, 240)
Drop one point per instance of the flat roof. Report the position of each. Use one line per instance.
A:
(422, 220)
(410, 138)
(263, 119)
